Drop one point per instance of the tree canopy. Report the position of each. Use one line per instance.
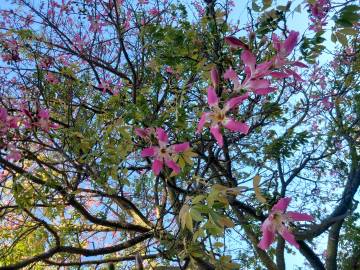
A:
(148, 134)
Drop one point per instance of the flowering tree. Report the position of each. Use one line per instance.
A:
(166, 135)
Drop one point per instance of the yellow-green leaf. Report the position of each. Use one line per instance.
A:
(196, 215)
(189, 222)
(258, 194)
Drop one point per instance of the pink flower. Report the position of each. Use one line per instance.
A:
(95, 24)
(13, 155)
(51, 78)
(104, 85)
(3, 120)
(154, 12)
(169, 70)
(164, 154)
(276, 223)
(327, 103)
(255, 74)
(217, 117)
(64, 59)
(320, 8)
(145, 133)
(44, 121)
(317, 24)
(46, 62)
(198, 7)
(6, 121)
(284, 48)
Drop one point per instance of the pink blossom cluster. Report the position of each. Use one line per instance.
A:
(199, 8)
(80, 42)
(319, 11)
(257, 75)
(46, 62)
(107, 85)
(11, 50)
(9, 124)
(51, 78)
(96, 25)
(256, 81)
(317, 76)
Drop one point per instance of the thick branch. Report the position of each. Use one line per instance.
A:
(332, 246)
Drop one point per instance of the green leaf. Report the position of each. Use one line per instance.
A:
(198, 199)
(341, 38)
(196, 215)
(344, 22)
(225, 222)
(189, 222)
(350, 9)
(198, 233)
(349, 31)
(213, 229)
(255, 6)
(183, 213)
(218, 245)
(333, 37)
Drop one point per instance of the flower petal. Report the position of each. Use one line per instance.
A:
(256, 84)
(172, 164)
(296, 76)
(236, 43)
(288, 236)
(296, 216)
(213, 100)
(14, 155)
(54, 125)
(248, 58)
(149, 152)
(202, 122)
(290, 42)
(263, 68)
(230, 74)
(266, 240)
(281, 205)
(231, 103)
(161, 135)
(43, 113)
(236, 126)
(279, 75)
(157, 166)
(299, 64)
(181, 147)
(141, 132)
(215, 131)
(3, 114)
(214, 77)
(276, 42)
